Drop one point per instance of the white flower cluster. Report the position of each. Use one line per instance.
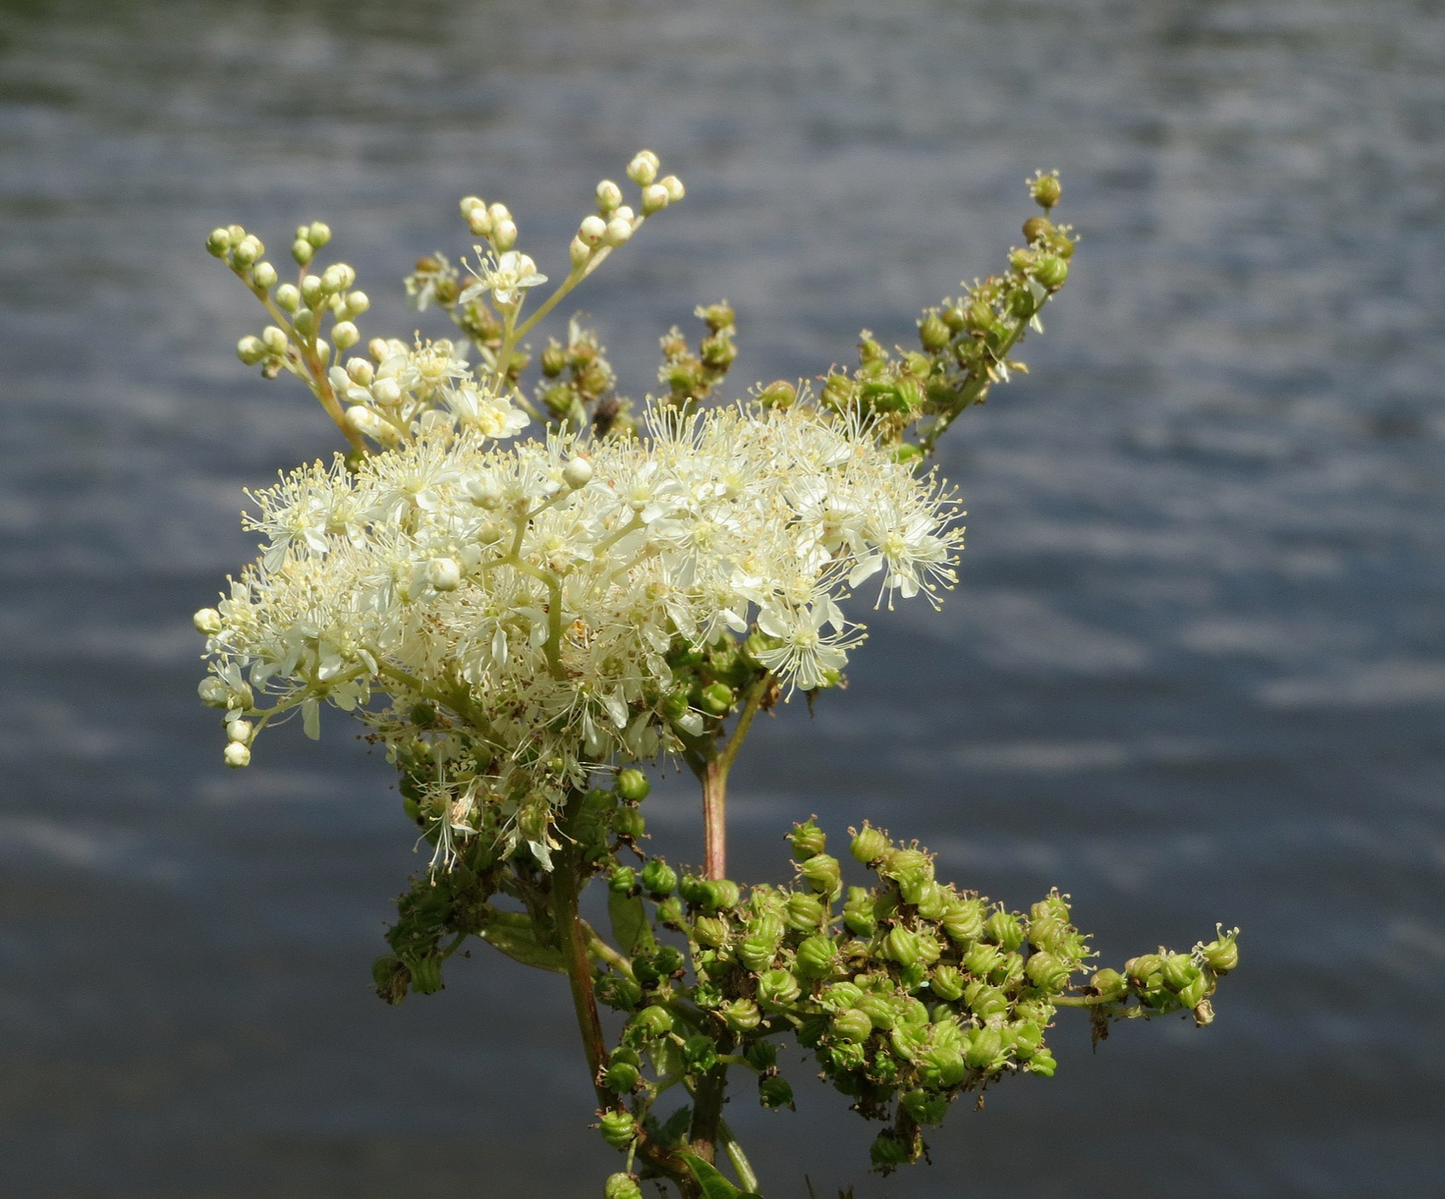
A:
(520, 605)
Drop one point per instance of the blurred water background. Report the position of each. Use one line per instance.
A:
(1195, 670)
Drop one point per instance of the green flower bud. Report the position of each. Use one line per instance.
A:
(288, 297)
(1110, 985)
(774, 1092)
(621, 880)
(870, 844)
(618, 1129)
(805, 912)
(741, 1015)
(302, 251)
(218, 242)
(652, 1022)
(632, 785)
(947, 982)
(777, 988)
(250, 350)
(807, 839)
(622, 1186)
(1003, 928)
(1046, 972)
(852, 1025)
(1222, 954)
(658, 878)
(816, 956)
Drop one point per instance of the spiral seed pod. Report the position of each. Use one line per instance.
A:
(805, 912)
(924, 1106)
(869, 844)
(774, 1092)
(621, 1077)
(1003, 928)
(947, 982)
(984, 1001)
(984, 1050)
(1047, 973)
(1222, 954)
(1043, 1064)
(963, 920)
(933, 902)
(1142, 968)
(757, 953)
(1110, 985)
(619, 1129)
(741, 1015)
(719, 895)
(852, 1024)
(1178, 971)
(778, 988)
(807, 839)
(824, 874)
(858, 915)
(880, 1010)
(658, 878)
(652, 1022)
(712, 931)
(622, 1186)
(982, 960)
(621, 880)
(816, 956)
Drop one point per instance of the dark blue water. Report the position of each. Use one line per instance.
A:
(1195, 670)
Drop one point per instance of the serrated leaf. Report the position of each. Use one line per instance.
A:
(629, 922)
(512, 933)
(712, 1184)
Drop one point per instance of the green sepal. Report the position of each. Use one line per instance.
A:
(629, 922)
(711, 1182)
(513, 934)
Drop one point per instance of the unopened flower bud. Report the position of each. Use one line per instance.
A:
(642, 170)
(504, 234)
(237, 754)
(250, 350)
(345, 335)
(208, 621)
(592, 230)
(247, 250)
(218, 242)
(239, 730)
(654, 199)
(577, 472)
(288, 297)
(213, 692)
(618, 231)
(263, 275)
(675, 190)
(302, 251)
(609, 196)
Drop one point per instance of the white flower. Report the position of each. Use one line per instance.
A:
(505, 276)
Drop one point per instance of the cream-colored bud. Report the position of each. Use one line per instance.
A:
(592, 229)
(378, 348)
(364, 420)
(618, 231)
(263, 275)
(579, 253)
(304, 322)
(504, 234)
(345, 335)
(323, 351)
(654, 198)
(213, 692)
(360, 371)
(357, 302)
(246, 251)
(239, 730)
(207, 621)
(318, 233)
(675, 189)
(471, 203)
(499, 212)
(577, 472)
(444, 574)
(642, 170)
(312, 289)
(609, 196)
(274, 339)
(386, 391)
(250, 350)
(288, 297)
(219, 242)
(623, 212)
(333, 279)
(484, 493)
(479, 221)
(237, 755)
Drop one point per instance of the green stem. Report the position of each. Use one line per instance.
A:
(744, 1168)
(714, 779)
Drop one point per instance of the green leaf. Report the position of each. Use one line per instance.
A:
(514, 935)
(711, 1182)
(629, 922)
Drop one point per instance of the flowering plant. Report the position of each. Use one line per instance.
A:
(530, 593)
